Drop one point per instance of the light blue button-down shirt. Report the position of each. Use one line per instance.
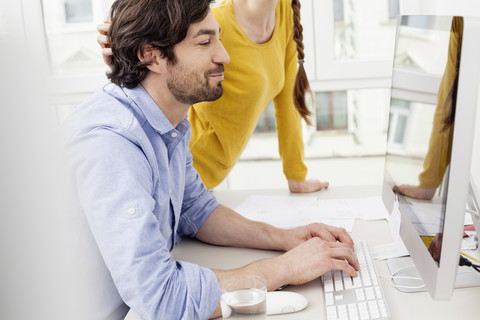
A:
(140, 194)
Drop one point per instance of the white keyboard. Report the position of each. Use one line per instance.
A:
(358, 298)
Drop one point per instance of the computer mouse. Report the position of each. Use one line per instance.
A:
(285, 302)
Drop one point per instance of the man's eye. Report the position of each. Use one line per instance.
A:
(205, 43)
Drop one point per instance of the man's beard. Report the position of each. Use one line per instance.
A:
(189, 88)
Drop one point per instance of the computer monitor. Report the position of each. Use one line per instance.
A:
(428, 155)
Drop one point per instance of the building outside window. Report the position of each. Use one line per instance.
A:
(331, 110)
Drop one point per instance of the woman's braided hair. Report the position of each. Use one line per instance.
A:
(302, 85)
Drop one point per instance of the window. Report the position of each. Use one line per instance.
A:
(398, 120)
(266, 123)
(394, 8)
(331, 110)
(70, 27)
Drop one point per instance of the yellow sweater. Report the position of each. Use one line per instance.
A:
(256, 74)
(438, 154)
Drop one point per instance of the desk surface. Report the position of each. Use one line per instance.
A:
(464, 304)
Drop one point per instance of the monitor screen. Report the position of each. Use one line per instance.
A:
(420, 134)
(430, 132)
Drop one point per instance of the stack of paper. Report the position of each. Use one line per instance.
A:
(288, 212)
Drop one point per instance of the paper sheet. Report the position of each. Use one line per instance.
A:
(287, 212)
(429, 215)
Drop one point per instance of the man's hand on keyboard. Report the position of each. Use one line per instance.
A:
(314, 257)
(296, 236)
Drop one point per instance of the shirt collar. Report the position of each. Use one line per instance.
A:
(157, 120)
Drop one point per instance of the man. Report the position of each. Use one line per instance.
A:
(128, 151)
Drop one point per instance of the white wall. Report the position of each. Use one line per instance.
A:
(441, 7)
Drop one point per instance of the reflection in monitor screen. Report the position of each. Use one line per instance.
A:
(429, 142)
(419, 138)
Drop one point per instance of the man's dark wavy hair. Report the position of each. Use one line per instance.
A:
(137, 23)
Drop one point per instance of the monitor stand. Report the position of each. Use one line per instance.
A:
(405, 275)
(407, 279)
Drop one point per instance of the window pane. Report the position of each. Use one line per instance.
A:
(401, 104)
(338, 10)
(367, 30)
(399, 114)
(331, 110)
(410, 127)
(78, 11)
(394, 8)
(400, 129)
(322, 106)
(339, 109)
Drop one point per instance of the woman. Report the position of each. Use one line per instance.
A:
(264, 41)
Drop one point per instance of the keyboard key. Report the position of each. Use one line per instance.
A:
(332, 312)
(369, 293)
(363, 310)
(329, 298)
(342, 311)
(337, 278)
(374, 312)
(357, 281)
(357, 298)
(328, 286)
(360, 294)
(353, 311)
(383, 308)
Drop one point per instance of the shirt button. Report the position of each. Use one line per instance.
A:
(131, 211)
(174, 134)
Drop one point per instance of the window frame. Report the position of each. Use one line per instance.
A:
(325, 72)
(65, 89)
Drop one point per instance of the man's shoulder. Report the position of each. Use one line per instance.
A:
(109, 107)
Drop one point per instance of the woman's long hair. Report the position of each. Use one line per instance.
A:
(302, 86)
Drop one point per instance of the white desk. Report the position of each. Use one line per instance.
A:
(464, 304)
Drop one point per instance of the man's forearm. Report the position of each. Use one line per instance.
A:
(226, 227)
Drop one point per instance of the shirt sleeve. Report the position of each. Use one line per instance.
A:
(198, 203)
(114, 181)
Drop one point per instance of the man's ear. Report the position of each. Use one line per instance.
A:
(152, 56)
